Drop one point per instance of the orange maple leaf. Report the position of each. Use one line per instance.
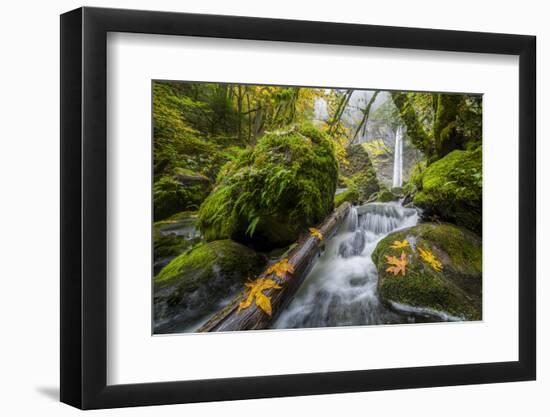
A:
(397, 265)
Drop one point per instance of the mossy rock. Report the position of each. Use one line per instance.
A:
(451, 189)
(173, 236)
(196, 282)
(366, 184)
(171, 195)
(273, 192)
(359, 174)
(358, 161)
(456, 290)
(350, 195)
(385, 196)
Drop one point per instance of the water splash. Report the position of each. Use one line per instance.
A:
(341, 289)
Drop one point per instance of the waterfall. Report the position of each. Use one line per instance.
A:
(341, 289)
(398, 158)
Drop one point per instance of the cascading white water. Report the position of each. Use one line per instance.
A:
(341, 289)
(398, 158)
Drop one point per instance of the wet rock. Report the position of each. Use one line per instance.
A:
(454, 289)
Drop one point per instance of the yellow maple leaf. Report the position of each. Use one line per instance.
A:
(255, 291)
(397, 265)
(429, 258)
(280, 268)
(399, 245)
(264, 302)
(315, 233)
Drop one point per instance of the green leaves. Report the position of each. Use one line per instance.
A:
(252, 226)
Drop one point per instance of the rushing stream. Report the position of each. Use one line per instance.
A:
(341, 289)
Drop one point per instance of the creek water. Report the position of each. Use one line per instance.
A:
(341, 288)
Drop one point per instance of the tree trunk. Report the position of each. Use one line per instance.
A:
(302, 259)
(444, 128)
(339, 112)
(365, 118)
(415, 131)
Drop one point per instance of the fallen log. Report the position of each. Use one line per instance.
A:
(301, 259)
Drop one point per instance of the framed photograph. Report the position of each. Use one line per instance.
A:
(258, 208)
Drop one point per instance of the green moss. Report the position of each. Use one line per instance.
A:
(195, 282)
(455, 290)
(271, 193)
(385, 196)
(451, 188)
(208, 259)
(171, 196)
(366, 184)
(350, 195)
(359, 174)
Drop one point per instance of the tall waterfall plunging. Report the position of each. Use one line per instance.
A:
(398, 158)
(341, 289)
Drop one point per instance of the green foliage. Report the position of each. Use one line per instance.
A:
(361, 179)
(451, 189)
(273, 191)
(170, 197)
(440, 123)
(174, 137)
(376, 148)
(414, 184)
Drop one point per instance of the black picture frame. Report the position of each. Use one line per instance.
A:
(84, 207)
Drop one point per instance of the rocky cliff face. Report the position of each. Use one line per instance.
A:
(379, 144)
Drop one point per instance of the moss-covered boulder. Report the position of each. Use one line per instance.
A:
(366, 184)
(183, 191)
(385, 196)
(350, 195)
(196, 282)
(359, 173)
(452, 287)
(451, 189)
(273, 192)
(358, 161)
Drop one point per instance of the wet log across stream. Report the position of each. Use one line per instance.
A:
(302, 258)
